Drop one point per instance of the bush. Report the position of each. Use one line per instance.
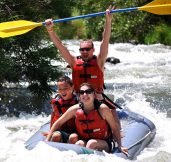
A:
(159, 34)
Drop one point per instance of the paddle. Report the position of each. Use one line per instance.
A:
(109, 102)
(13, 28)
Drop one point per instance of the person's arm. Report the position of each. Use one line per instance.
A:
(105, 39)
(70, 113)
(70, 59)
(107, 115)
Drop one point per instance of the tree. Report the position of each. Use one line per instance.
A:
(127, 26)
(27, 58)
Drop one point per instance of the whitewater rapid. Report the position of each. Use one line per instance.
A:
(141, 82)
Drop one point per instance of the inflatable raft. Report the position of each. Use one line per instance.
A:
(137, 130)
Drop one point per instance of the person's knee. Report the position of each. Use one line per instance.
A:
(97, 145)
(56, 137)
(73, 138)
(80, 142)
(91, 144)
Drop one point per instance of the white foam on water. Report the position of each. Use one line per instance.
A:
(142, 68)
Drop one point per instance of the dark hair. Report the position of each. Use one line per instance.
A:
(88, 85)
(65, 79)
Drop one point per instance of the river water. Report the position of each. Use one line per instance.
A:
(141, 82)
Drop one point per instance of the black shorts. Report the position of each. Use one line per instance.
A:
(111, 144)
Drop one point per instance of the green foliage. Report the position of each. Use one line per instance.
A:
(31, 63)
(79, 25)
(159, 34)
(4, 68)
(72, 29)
(94, 26)
(27, 58)
(126, 26)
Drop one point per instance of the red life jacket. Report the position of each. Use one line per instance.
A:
(60, 106)
(91, 125)
(88, 72)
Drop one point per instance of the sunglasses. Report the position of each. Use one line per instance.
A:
(85, 49)
(88, 91)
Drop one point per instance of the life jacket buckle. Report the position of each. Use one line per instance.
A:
(91, 130)
(93, 76)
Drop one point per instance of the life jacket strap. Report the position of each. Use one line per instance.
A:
(91, 130)
(86, 121)
(88, 76)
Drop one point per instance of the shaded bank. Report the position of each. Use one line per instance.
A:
(14, 101)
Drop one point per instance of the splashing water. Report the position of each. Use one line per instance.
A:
(141, 82)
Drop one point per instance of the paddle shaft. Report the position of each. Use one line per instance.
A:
(111, 11)
(13, 28)
(93, 15)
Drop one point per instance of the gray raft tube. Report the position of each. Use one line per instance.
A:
(137, 134)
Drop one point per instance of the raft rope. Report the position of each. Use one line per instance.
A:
(139, 141)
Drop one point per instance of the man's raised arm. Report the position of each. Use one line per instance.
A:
(105, 39)
(70, 59)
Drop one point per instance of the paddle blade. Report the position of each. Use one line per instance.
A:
(13, 28)
(159, 7)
